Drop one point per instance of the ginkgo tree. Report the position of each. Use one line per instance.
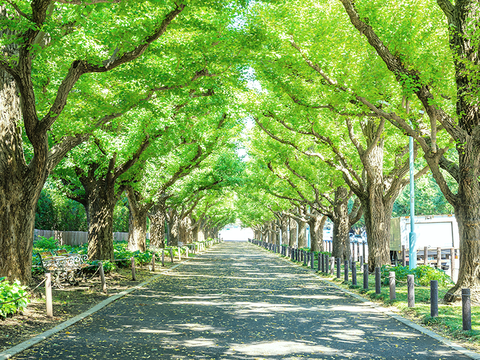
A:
(220, 173)
(105, 172)
(300, 109)
(410, 63)
(312, 185)
(68, 67)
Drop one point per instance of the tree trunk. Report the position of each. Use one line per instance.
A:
(265, 233)
(184, 231)
(101, 203)
(467, 213)
(20, 187)
(316, 223)
(283, 229)
(173, 232)
(195, 234)
(302, 234)
(137, 232)
(18, 201)
(377, 217)
(341, 225)
(293, 233)
(341, 240)
(273, 232)
(157, 225)
(377, 210)
(464, 29)
(201, 230)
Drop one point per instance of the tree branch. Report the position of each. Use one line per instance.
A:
(20, 12)
(346, 174)
(353, 138)
(451, 167)
(79, 2)
(397, 67)
(80, 67)
(356, 212)
(447, 8)
(58, 151)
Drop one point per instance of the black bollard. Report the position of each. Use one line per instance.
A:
(411, 290)
(354, 273)
(433, 298)
(360, 259)
(365, 276)
(327, 262)
(378, 280)
(319, 262)
(345, 270)
(466, 310)
(338, 268)
(312, 259)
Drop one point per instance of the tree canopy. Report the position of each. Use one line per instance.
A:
(154, 102)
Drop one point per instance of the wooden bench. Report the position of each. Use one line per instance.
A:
(63, 266)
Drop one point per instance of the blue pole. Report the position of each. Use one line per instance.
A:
(308, 236)
(412, 236)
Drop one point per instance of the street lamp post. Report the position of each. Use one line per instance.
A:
(412, 236)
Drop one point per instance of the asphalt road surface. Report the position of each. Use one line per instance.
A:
(238, 301)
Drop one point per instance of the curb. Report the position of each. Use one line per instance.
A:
(390, 313)
(7, 354)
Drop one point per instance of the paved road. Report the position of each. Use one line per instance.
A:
(239, 302)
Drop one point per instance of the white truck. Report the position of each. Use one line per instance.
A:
(432, 231)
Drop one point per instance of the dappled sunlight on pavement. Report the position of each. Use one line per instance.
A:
(239, 302)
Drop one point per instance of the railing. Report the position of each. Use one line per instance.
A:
(449, 257)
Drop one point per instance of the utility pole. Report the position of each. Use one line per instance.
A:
(412, 254)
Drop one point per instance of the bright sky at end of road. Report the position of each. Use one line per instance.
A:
(233, 232)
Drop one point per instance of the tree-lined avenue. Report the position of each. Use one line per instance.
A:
(238, 301)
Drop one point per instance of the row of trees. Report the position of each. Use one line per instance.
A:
(111, 98)
(340, 87)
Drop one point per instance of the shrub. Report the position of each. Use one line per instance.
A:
(121, 252)
(13, 297)
(44, 243)
(107, 266)
(423, 274)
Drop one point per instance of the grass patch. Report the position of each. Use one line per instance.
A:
(449, 320)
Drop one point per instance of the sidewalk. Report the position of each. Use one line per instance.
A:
(239, 302)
